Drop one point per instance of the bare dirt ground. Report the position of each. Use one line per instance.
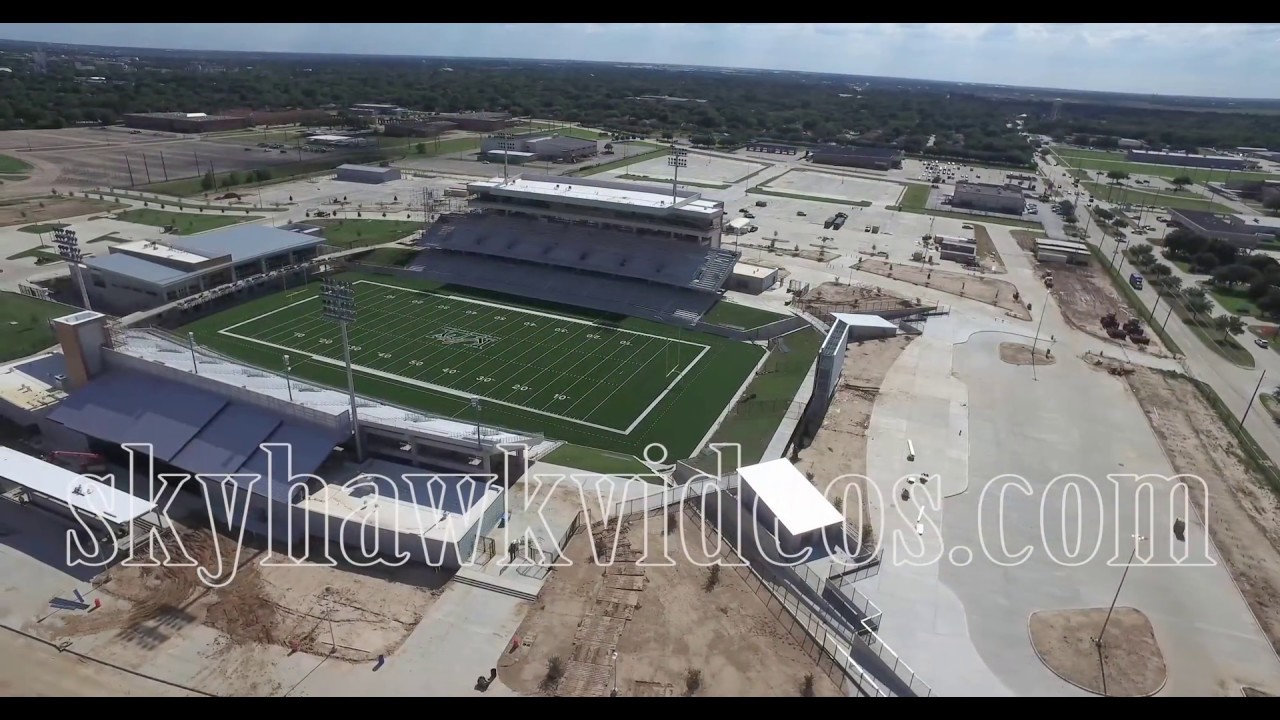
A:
(1019, 354)
(25, 212)
(991, 291)
(1245, 522)
(32, 669)
(987, 252)
(324, 611)
(853, 295)
(1084, 293)
(664, 622)
(840, 446)
(1129, 664)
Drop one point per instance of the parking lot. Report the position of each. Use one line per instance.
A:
(836, 186)
(703, 169)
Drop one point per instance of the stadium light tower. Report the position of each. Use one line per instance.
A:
(339, 304)
(69, 248)
(677, 158)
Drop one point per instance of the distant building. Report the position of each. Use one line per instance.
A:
(368, 174)
(989, 198)
(871, 158)
(957, 249)
(413, 128)
(147, 273)
(1130, 143)
(477, 121)
(762, 146)
(337, 141)
(376, 110)
(1230, 228)
(753, 279)
(183, 122)
(1218, 162)
(538, 146)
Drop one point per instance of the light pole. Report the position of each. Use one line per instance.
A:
(191, 345)
(475, 404)
(287, 383)
(1098, 640)
(677, 158)
(339, 304)
(69, 249)
(614, 656)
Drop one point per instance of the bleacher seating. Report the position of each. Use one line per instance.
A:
(556, 284)
(608, 252)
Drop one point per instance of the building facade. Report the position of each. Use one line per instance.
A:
(477, 121)
(989, 198)
(871, 158)
(1213, 162)
(368, 174)
(184, 122)
(538, 146)
(144, 274)
(1223, 227)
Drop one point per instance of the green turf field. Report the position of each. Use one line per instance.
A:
(1095, 160)
(604, 382)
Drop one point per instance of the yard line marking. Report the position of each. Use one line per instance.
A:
(557, 346)
(429, 386)
(671, 386)
(597, 383)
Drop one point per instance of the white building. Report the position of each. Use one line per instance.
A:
(783, 500)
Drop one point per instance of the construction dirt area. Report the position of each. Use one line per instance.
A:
(1020, 354)
(833, 297)
(1084, 294)
(34, 210)
(1000, 293)
(342, 613)
(1245, 522)
(839, 449)
(679, 629)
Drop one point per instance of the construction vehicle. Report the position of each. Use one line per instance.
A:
(81, 462)
(1048, 279)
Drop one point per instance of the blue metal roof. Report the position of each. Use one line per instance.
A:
(245, 242)
(129, 407)
(228, 440)
(134, 267)
(195, 429)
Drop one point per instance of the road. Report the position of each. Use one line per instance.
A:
(1235, 385)
(33, 669)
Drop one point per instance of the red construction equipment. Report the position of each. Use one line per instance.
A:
(81, 462)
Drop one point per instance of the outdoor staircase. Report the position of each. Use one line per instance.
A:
(516, 587)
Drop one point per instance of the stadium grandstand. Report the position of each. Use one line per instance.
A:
(632, 249)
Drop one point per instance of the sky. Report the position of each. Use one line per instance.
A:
(1208, 59)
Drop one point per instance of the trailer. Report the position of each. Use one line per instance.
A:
(826, 225)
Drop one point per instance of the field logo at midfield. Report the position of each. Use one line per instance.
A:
(454, 336)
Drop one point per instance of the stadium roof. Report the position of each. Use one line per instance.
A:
(1209, 221)
(858, 150)
(988, 189)
(862, 320)
(789, 495)
(130, 266)
(567, 188)
(194, 429)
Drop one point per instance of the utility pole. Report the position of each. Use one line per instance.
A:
(475, 404)
(1252, 397)
(164, 169)
(287, 383)
(338, 301)
(191, 345)
(129, 166)
(1098, 640)
(146, 167)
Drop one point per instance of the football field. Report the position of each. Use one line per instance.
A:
(575, 370)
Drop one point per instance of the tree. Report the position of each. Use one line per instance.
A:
(420, 148)
(1232, 275)
(1160, 270)
(1172, 283)
(1270, 303)
(1197, 301)
(1115, 176)
(1204, 262)
(1272, 202)
(1141, 250)
(208, 182)
(1229, 325)
(1103, 213)
(1180, 182)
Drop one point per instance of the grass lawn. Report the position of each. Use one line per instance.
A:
(9, 164)
(432, 147)
(24, 324)
(184, 223)
(42, 255)
(758, 190)
(658, 151)
(754, 420)
(1234, 301)
(601, 461)
(559, 372)
(41, 228)
(13, 178)
(345, 233)
(398, 257)
(1094, 160)
(915, 197)
(1121, 194)
(743, 317)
